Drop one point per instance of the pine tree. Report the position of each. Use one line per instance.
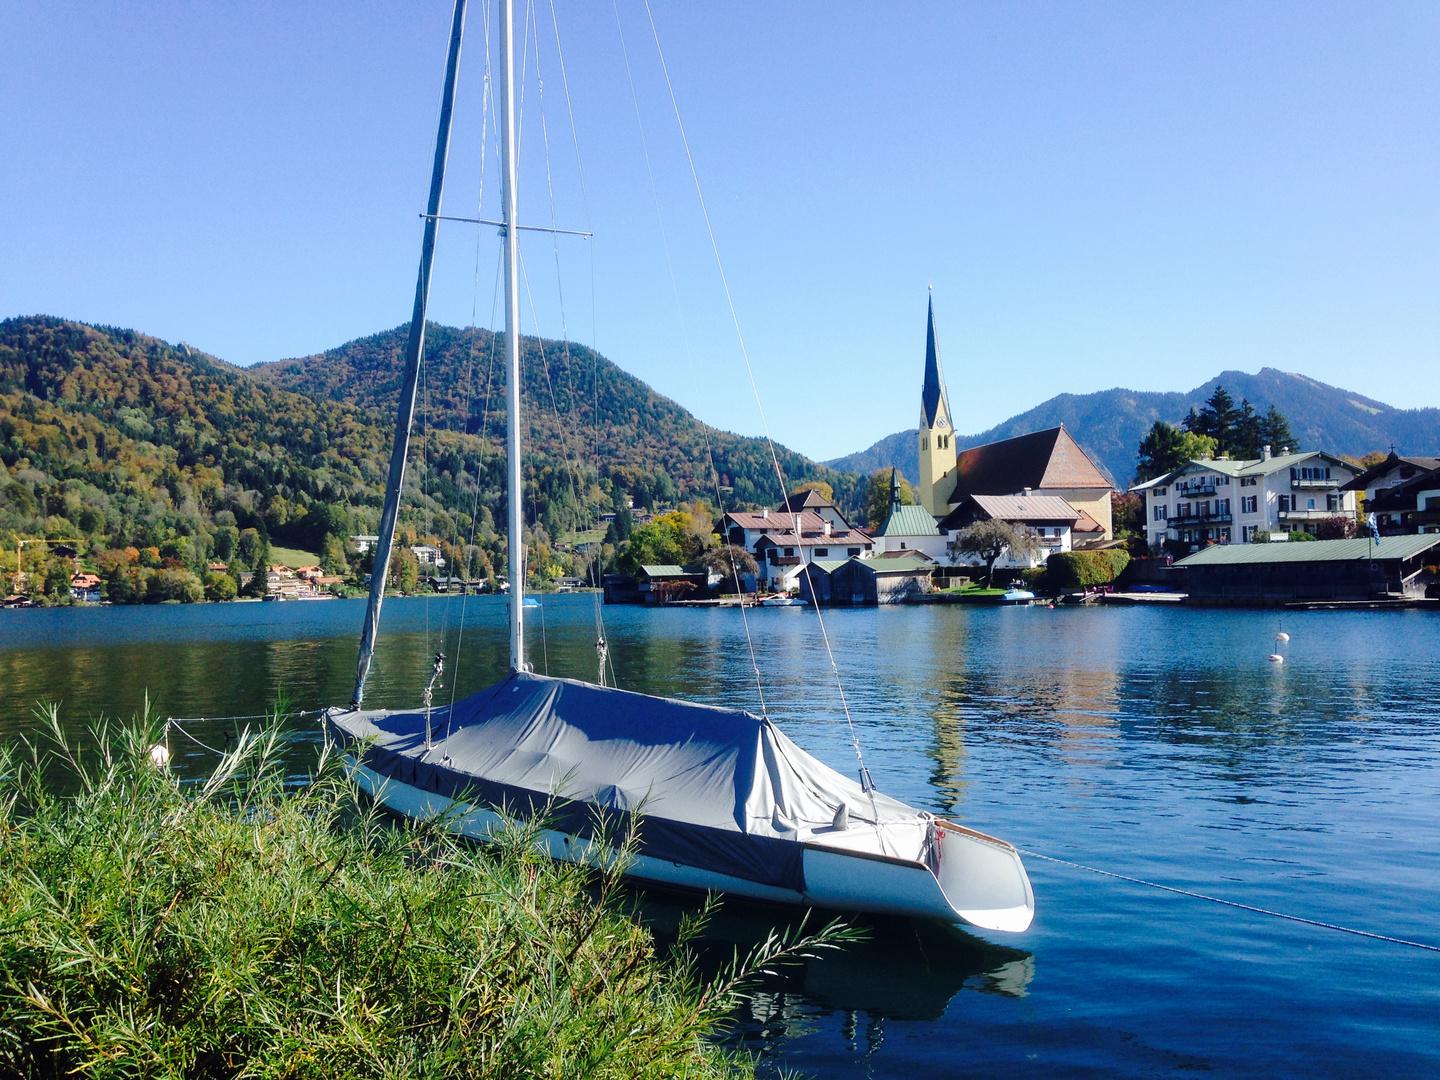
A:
(1246, 442)
(1275, 431)
(1217, 418)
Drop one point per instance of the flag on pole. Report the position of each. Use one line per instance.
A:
(1373, 526)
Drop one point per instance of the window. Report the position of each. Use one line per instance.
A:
(1205, 508)
(1332, 502)
(852, 551)
(925, 445)
(1247, 481)
(1309, 504)
(1247, 532)
(1222, 507)
(1284, 503)
(1160, 491)
(821, 553)
(1221, 481)
(1249, 504)
(1160, 514)
(789, 551)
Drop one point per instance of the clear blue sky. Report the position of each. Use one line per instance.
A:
(1101, 194)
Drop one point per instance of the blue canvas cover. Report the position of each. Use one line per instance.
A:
(718, 789)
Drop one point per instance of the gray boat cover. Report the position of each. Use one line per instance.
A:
(718, 789)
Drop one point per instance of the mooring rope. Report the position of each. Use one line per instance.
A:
(1236, 904)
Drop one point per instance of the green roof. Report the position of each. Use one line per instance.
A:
(1237, 467)
(1292, 551)
(890, 566)
(829, 565)
(665, 571)
(909, 521)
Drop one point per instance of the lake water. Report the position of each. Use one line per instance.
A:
(1159, 744)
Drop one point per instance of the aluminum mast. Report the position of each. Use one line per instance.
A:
(515, 530)
(414, 350)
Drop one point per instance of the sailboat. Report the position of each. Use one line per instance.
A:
(722, 800)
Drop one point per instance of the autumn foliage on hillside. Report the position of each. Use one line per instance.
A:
(123, 443)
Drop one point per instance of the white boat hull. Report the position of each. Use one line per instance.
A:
(981, 880)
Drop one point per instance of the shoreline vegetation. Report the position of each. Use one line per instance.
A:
(245, 924)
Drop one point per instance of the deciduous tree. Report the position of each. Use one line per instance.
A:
(990, 539)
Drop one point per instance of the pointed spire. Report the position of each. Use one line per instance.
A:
(934, 398)
(894, 490)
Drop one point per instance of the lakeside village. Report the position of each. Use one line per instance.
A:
(1225, 513)
(1034, 516)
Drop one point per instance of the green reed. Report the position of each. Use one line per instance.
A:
(236, 926)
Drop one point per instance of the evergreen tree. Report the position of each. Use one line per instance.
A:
(1166, 447)
(1274, 430)
(1246, 442)
(1217, 418)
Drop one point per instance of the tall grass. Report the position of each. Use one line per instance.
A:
(234, 926)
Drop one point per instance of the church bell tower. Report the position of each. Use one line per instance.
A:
(936, 435)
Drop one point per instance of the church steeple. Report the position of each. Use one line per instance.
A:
(936, 434)
(933, 401)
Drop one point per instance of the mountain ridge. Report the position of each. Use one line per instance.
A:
(1110, 423)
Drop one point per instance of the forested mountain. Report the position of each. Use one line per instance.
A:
(579, 408)
(167, 458)
(1111, 423)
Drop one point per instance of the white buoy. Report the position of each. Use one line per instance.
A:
(160, 755)
(1276, 658)
(1282, 636)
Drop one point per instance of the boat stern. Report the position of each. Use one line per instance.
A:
(984, 880)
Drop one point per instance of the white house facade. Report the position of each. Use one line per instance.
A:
(1227, 501)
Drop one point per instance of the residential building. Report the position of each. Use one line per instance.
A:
(1392, 472)
(1049, 518)
(1356, 569)
(364, 543)
(1403, 493)
(427, 555)
(1222, 501)
(783, 541)
(85, 587)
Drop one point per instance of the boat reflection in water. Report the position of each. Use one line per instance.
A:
(904, 969)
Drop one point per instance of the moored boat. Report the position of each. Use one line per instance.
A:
(721, 799)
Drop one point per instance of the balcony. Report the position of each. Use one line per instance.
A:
(1313, 485)
(1312, 515)
(1201, 519)
(1192, 491)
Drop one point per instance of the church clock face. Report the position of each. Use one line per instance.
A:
(942, 423)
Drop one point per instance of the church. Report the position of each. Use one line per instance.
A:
(1043, 480)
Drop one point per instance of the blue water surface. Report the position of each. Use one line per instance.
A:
(1154, 743)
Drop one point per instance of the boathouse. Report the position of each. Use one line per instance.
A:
(868, 582)
(1392, 567)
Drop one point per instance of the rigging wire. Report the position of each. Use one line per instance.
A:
(486, 107)
(595, 567)
(689, 355)
(1233, 903)
(765, 425)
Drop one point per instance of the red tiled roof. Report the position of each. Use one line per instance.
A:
(838, 538)
(777, 519)
(1043, 459)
